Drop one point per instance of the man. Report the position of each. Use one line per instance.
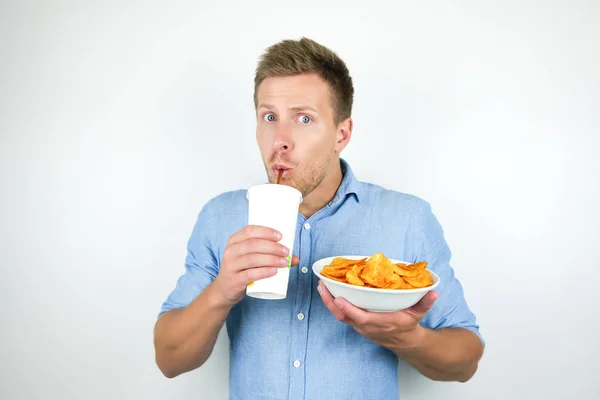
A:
(310, 345)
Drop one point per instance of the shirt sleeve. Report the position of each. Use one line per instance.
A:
(201, 265)
(450, 309)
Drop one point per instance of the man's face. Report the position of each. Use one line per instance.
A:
(296, 131)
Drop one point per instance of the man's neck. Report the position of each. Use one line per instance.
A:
(323, 193)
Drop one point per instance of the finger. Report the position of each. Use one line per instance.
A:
(255, 274)
(359, 316)
(255, 260)
(328, 300)
(254, 231)
(420, 309)
(262, 246)
(295, 260)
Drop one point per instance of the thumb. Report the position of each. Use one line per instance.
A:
(420, 309)
(295, 260)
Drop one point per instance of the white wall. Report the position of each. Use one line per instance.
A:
(118, 120)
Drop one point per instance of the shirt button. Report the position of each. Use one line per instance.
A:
(300, 316)
(304, 270)
(307, 226)
(296, 363)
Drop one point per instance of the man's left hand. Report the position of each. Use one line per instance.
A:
(399, 331)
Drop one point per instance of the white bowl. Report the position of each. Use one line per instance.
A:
(373, 299)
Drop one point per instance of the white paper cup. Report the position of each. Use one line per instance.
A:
(274, 206)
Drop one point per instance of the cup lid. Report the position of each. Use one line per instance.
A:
(274, 186)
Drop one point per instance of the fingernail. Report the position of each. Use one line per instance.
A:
(284, 261)
(273, 271)
(338, 303)
(285, 250)
(277, 235)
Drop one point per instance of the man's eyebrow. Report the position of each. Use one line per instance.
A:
(303, 108)
(295, 109)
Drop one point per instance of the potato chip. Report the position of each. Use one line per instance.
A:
(336, 279)
(340, 266)
(335, 272)
(352, 275)
(421, 280)
(340, 262)
(393, 278)
(399, 284)
(404, 270)
(335, 276)
(378, 271)
(421, 265)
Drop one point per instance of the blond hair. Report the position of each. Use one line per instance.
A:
(305, 56)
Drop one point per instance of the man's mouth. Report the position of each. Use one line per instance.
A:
(280, 167)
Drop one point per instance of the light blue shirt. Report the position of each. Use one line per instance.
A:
(294, 348)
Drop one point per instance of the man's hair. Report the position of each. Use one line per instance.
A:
(305, 56)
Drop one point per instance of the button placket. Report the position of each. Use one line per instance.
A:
(301, 308)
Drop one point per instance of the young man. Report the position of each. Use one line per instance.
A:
(310, 345)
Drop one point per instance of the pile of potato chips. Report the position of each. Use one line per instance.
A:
(378, 271)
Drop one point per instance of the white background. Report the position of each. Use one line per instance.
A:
(120, 119)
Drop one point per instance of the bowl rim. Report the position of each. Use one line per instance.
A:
(436, 278)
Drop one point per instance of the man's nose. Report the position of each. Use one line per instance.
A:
(283, 138)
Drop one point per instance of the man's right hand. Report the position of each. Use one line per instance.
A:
(250, 254)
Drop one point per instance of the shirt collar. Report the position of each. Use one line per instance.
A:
(349, 184)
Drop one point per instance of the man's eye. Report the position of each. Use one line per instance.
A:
(269, 118)
(305, 119)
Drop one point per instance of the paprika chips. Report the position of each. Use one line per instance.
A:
(380, 272)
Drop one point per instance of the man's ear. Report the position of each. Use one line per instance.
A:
(344, 133)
